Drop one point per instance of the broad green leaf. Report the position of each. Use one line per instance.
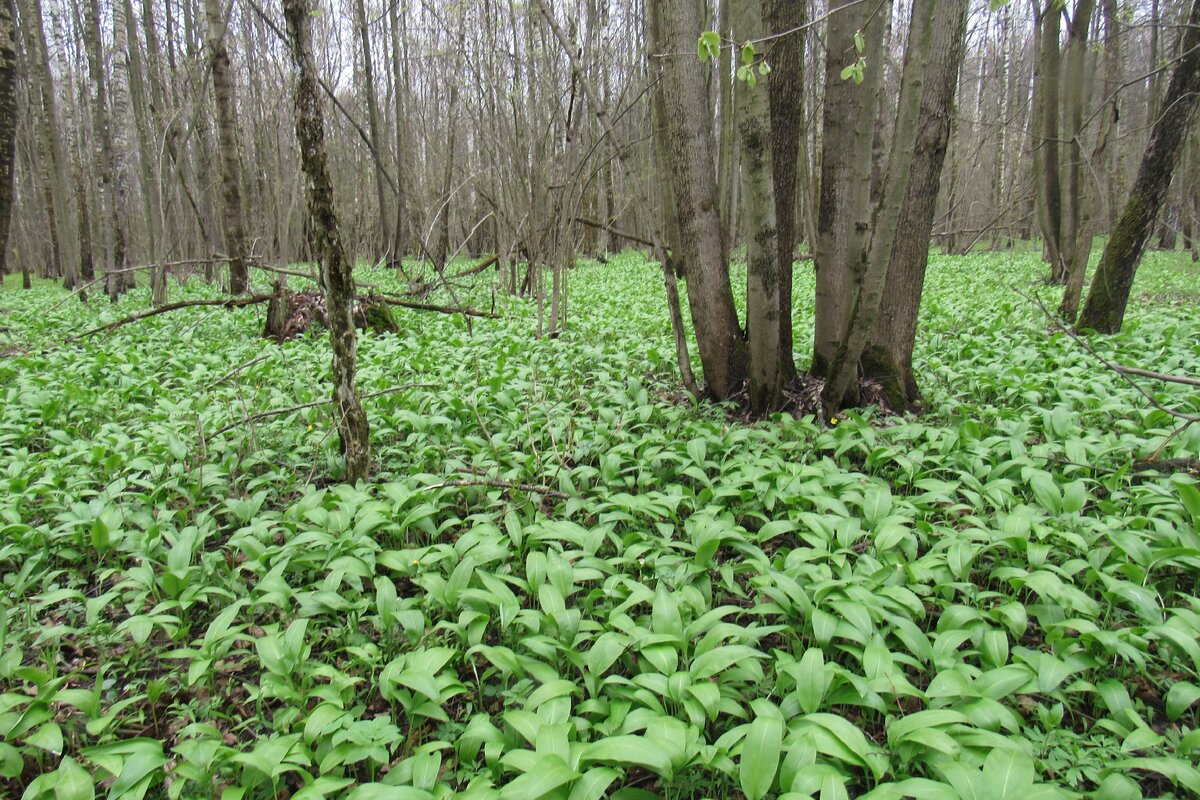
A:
(760, 752)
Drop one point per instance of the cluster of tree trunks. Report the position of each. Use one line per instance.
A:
(859, 254)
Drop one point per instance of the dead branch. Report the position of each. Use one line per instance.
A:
(591, 223)
(1159, 376)
(275, 412)
(499, 484)
(469, 312)
(235, 302)
(237, 369)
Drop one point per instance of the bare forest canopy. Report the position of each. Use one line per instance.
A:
(459, 124)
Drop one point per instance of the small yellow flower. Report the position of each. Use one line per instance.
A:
(833, 420)
(416, 563)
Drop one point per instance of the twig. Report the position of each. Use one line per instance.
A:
(236, 302)
(1117, 368)
(236, 370)
(499, 484)
(275, 412)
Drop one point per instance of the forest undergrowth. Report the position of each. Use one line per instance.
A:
(567, 580)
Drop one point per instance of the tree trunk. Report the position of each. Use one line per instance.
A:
(112, 189)
(55, 172)
(675, 26)
(8, 122)
(843, 212)
(1075, 85)
(337, 274)
(841, 385)
(785, 90)
(1047, 77)
(763, 290)
(1104, 311)
(887, 357)
(227, 141)
(360, 15)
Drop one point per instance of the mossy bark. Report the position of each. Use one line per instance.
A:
(336, 276)
(1104, 311)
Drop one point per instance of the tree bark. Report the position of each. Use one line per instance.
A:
(1047, 77)
(888, 355)
(674, 28)
(360, 16)
(112, 196)
(763, 290)
(841, 385)
(56, 181)
(785, 90)
(227, 142)
(337, 274)
(1074, 195)
(1104, 310)
(843, 211)
(8, 122)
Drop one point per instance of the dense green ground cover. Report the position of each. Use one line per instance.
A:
(985, 602)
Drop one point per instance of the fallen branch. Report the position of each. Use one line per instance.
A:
(1158, 376)
(499, 484)
(1109, 365)
(187, 262)
(235, 302)
(469, 312)
(275, 412)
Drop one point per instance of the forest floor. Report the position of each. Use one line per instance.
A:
(569, 581)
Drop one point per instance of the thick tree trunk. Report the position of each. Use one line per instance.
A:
(1074, 195)
(843, 212)
(763, 291)
(337, 272)
(675, 26)
(1104, 311)
(1047, 77)
(889, 351)
(785, 90)
(841, 385)
(227, 141)
(8, 122)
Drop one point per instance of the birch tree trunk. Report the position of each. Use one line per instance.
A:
(112, 190)
(227, 142)
(337, 272)
(1104, 311)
